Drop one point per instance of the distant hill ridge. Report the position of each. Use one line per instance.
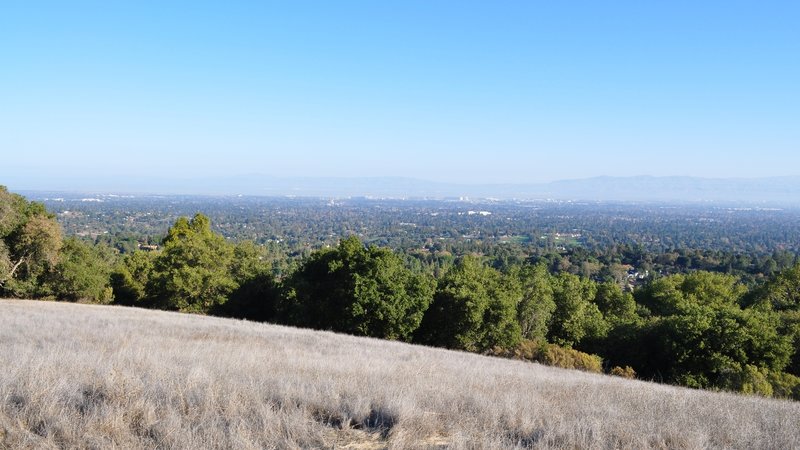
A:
(769, 190)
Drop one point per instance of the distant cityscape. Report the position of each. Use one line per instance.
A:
(748, 191)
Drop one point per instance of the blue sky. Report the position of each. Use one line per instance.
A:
(461, 91)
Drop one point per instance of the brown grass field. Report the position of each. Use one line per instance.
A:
(81, 376)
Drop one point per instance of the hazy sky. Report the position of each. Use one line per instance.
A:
(467, 91)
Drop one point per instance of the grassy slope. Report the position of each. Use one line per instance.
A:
(106, 377)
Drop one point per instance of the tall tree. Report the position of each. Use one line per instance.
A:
(701, 336)
(536, 306)
(257, 296)
(130, 277)
(82, 272)
(360, 290)
(576, 316)
(30, 241)
(192, 272)
(782, 294)
(615, 304)
(474, 309)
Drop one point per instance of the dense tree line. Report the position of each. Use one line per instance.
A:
(696, 328)
(702, 329)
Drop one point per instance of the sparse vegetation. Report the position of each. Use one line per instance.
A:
(83, 376)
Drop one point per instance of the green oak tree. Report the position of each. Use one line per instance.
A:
(30, 240)
(82, 272)
(192, 271)
(537, 304)
(700, 336)
(474, 309)
(781, 294)
(360, 290)
(130, 277)
(257, 296)
(576, 316)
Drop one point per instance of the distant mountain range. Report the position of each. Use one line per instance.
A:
(773, 190)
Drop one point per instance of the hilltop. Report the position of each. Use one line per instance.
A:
(115, 377)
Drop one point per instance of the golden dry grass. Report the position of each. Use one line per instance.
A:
(81, 376)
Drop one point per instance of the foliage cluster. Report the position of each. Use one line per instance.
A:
(552, 355)
(36, 262)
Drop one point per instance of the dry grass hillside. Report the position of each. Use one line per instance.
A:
(79, 376)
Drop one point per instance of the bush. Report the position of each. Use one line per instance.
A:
(784, 385)
(572, 359)
(553, 355)
(624, 372)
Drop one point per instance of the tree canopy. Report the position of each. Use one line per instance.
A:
(474, 308)
(192, 272)
(360, 290)
(30, 241)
